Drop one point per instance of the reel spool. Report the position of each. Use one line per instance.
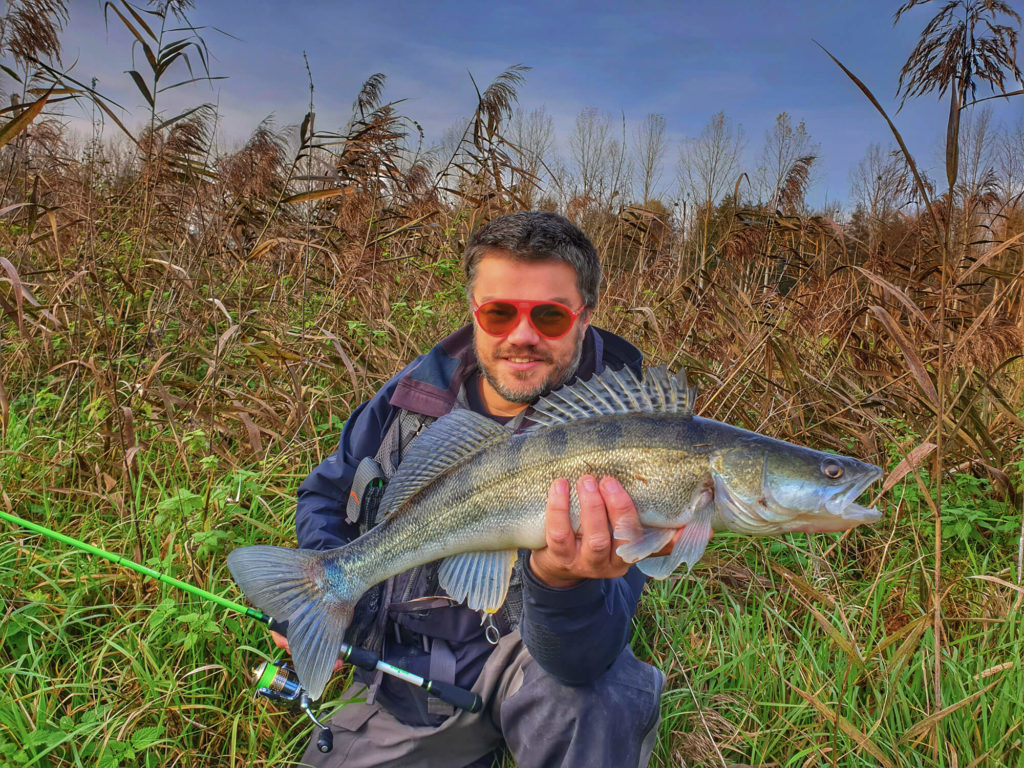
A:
(277, 681)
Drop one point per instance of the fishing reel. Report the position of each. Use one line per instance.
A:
(277, 681)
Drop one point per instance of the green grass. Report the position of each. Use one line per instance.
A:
(806, 650)
(779, 657)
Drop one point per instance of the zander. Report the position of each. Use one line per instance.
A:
(471, 493)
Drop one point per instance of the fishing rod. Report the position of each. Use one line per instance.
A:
(274, 680)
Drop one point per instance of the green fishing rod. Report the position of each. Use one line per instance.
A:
(276, 680)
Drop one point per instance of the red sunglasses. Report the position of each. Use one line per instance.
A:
(499, 317)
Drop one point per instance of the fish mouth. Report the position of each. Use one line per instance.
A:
(842, 504)
(833, 508)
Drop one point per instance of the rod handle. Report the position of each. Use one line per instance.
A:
(360, 657)
(457, 697)
(281, 627)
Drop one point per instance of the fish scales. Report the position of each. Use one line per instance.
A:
(498, 500)
(512, 479)
(471, 494)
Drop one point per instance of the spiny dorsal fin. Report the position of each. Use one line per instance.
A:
(448, 442)
(611, 392)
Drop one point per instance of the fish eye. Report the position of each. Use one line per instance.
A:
(832, 469)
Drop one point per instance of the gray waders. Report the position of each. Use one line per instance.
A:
(611, 723)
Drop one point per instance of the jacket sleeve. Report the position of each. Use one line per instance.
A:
(320, 512)
(575, 634)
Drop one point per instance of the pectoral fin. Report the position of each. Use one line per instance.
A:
(688, 548)
(479, 578)
(646, 542)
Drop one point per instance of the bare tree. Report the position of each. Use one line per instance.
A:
(600, 159)
(976, 196)
(709, 168)
(1010, 150)
(879, 187)
(532, 136)
(649, 151)
(977, 153)
(788, 150)
(710, 164)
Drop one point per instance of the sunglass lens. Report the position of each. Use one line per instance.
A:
(551, 319)
(498, 317)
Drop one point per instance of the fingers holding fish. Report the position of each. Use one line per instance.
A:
(605, 507)
(548, 563)
(595, 543)
(558, 531)
(568, 556)
(622, 512)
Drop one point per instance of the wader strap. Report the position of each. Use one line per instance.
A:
(365, 494)
(378, 676)
(405, 427)
(422, 604)
(442, 668)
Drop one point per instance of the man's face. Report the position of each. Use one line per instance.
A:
(523, 365)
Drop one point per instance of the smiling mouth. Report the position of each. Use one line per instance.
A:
(522, 358)
(523, 366)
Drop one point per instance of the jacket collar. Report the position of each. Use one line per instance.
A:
(431, 387)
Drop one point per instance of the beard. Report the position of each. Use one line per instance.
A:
(525, 394)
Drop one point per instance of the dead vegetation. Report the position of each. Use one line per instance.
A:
(260, 293)
(154, 293)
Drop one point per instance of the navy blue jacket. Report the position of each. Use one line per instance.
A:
(574, 634)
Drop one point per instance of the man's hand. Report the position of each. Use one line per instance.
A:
(282, 642)
(569, 557)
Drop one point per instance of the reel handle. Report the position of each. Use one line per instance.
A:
(325, 741)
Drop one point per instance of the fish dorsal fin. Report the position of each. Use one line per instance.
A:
(611, 392)
(448, 442)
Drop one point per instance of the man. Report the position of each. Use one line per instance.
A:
(559, 683)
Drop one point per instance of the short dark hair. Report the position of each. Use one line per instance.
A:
(537, 236)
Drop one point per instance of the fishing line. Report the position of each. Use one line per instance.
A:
(274, 680)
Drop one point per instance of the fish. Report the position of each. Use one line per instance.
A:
(471, 493)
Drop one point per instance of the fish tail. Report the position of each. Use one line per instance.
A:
(292, 585)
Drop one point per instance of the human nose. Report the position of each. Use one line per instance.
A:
(523, 334)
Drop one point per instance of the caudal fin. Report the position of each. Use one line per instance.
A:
(290, 585)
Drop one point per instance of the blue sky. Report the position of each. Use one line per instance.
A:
(686, 60)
